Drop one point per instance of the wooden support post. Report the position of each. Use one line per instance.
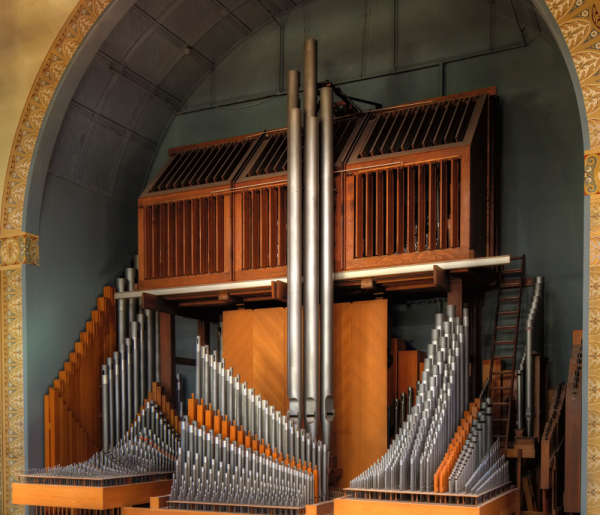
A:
(455, 295)
(167, 353)
(204, 332)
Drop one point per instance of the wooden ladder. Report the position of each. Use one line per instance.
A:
(504, 345)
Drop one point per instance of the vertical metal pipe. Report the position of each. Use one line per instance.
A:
(529, 375)
(150, 353)
(157, 347)
(294, 258)
(136, 368)
(124, 405)
(311, 276)
(326, 278)
(142, 354)
(130, 274)
(105, 410)
(199, 369)
(111, 402)
(122, 323)
(310, 78)
(117, 393)
(130, 400)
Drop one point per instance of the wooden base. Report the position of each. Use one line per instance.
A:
(504, 504)
(88, 497)
(157, 508)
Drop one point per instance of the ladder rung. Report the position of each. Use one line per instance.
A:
(500, 404)
(513, 284)
(500, 388)
(507, 313)
(512, 271)
(505, 342)
(503, 357)
(503, 373)
(508, 299)
(500, 420)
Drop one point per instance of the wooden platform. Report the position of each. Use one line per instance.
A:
(157, 507)
(504, 504)
(88, 497)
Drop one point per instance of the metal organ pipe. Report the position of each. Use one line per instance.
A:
(311, 274)
(326, 278)
(294, 258)
(150, 342)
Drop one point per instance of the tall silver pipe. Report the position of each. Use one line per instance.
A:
(310, 78)
(124, 405)
(111, 402)
(311, 275)
(132, 309)
(142, 344)
(122, 322)
(130, 399)
(199, 368)
(327, 410)
(150, 353)
(118, 408)
(105, 410)
(157, 347)
(294, 257)
(136, 368)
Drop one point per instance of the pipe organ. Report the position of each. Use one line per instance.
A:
(331, 209)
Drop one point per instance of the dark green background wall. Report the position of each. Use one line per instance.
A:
(87, 239)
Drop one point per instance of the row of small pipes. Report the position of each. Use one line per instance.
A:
(128, 375)
(310, 250)
(534, 331)
(148, 446)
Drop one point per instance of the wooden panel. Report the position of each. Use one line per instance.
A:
(342, 425)
(505, 504)
(88, 497)
(238, 343)
(167, 353)
(269, 355)
(369, 395)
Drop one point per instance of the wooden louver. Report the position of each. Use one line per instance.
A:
(413, 183)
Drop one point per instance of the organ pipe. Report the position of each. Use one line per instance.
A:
(326, 278)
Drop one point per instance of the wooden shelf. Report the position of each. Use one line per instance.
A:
(88, 497)
(323, 508)
(503, 504)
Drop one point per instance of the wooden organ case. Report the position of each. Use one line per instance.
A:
(413, 184)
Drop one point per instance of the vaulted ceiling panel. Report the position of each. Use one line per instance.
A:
(124, 35)
(92, 85)
(153, 119)
(153, 59)
(252, 14)
(102, 153)
(153, 56)
(184, 76)
(132, 171)
(122, 101)
(154, 7)
(70, 145)
(191, 18)
(219, 39)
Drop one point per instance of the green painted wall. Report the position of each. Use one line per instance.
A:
(91, 240)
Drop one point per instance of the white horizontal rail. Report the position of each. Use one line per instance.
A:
(339, 276)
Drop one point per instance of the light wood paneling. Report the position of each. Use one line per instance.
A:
(369, 385)
(269, 356)
(238, 343)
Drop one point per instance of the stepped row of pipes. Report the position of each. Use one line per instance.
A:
(238, 450)
(149, 446)
(534, 344)
(128, 375)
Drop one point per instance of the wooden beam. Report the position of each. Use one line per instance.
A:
(188, 362)
(157, 304)
(167, 354)
(279, 291)
(441, 278)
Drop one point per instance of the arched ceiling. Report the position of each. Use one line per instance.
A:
(141, 75)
